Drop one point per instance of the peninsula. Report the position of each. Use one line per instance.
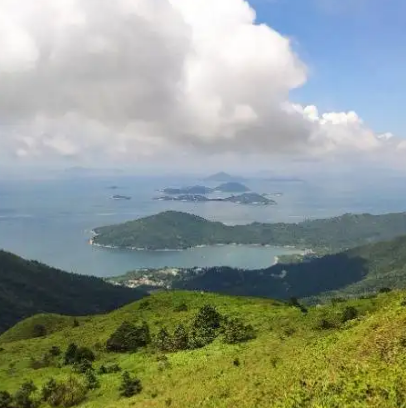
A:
(179, 230)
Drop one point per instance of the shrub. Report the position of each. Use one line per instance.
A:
(48, 389)
(39, 330)
(295, 303)
(45, 361)
(92, 381)
(205, 326)
(83, 366)
(349, 313)
(129, 386)
(75, 323)
(163, 340)
(64, 394)
(180, 338)
(70, 353)
(129, 337)
(207, 318)
(23, 397)
(108, 369)
(325, 324)
(6, 400)
(235, 331)
(55, 351)
(181, 307)
(385, 290)
(84, 353)
(236, 362)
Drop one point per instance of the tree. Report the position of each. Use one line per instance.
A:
(23, 397)
(235, 331)
(180, 338)
(349, 313)
(129, 337)
(207, 318)
(6, 400)
(39, 330)
(48, 389)
(92, 381)
(129, 386)
(84, 353)
(70, 354)
(163, 340)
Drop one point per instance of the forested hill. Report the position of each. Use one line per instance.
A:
(175, 230)
(29, 287)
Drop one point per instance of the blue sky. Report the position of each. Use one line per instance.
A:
(355, 51)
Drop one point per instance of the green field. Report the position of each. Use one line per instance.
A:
(297, 359)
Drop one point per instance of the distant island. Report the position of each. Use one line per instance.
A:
(246, 198)
(229, 187)
(120, 197)
(232, 187)
(178, 230)
(188, 190)
(224, 177)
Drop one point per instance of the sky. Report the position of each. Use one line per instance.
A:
(186, 83)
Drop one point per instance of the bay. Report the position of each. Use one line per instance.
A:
(51, 221)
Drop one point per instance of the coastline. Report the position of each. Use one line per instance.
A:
(297, 250)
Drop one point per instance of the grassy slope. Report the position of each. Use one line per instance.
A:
(28, 287)
(174, 230)
(290, 364)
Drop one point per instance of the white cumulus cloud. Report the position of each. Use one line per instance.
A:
(126, 79)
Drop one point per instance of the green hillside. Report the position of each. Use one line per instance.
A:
(347, 354)
(174, 230)
(29, 287)
(355, 272)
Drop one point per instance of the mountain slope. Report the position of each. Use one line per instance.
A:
(175, 230)
(349, 354)
(29, 287)
(358, 271)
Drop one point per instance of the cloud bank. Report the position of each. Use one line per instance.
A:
(133, 79)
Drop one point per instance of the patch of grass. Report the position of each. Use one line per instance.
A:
(359, 362)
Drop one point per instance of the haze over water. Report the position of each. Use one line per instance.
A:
(50, 221)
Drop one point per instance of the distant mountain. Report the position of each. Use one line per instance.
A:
(30, 287)
(232, 187)
(224, 177)
(250, 198)
(175, 230)
(246, 198)
(188, 190)
(284, 179)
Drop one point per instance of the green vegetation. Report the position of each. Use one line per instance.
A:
(264, 353)
(29, 287)
(177, 230)
(356, 272)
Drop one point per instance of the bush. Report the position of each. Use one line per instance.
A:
(83, 366)
(385, 290)
(6, 400)
(129, 386)
(64, 394)
(70, 353)
(349, 313)
(108, 369)
(181, 308)
(23, 397)
(129, 337)
(325, 324)
(39, 330)
(45, 361)
(207, 318)
(84, 353)
(55, 351)
(295, 303)
(235, 331)
(204, 327)
(180, 339)
(163, 340)
(92, 381)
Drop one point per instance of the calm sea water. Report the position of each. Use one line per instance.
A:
(51, 220)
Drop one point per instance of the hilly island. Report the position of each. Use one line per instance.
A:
(178, 230)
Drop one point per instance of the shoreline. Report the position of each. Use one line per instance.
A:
(300, 251)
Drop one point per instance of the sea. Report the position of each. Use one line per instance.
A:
(52, 220)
